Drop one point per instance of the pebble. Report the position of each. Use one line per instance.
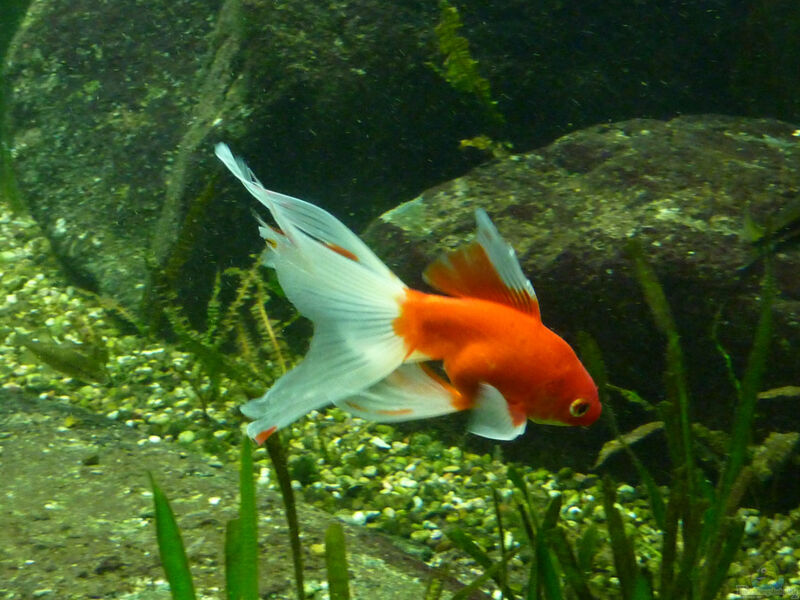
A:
(752, 526)
(186, 437)
(421, 535)
(626, 493)
(379, 443)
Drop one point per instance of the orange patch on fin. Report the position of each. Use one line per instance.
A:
(395, 413)
(469, 272)
(457, 399)
(262, 437)
(343, 251)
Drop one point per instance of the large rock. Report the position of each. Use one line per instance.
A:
(683, 188)
(112, 127)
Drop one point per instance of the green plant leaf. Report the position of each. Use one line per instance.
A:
(588, 545)
(279, 464)
(557, 541)
(435, 587)
(624, 559)
(233, 551)
(170, 547)
(336, 563)
(490, 573)
(248, 525)
(718, 571)
(641, 590)
(548, 575)
(466, 544)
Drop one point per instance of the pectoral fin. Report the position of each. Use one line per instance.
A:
(492, 417)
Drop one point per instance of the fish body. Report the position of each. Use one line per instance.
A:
(481, 341)
(374, 336)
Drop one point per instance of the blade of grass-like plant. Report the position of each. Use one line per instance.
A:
(483, 578)
(170, 547)
(691, 535)
(548, 576)
(336, 563)
(248, 525)
(551, 513)
(278, 458)
(588, 546)
(543, 577)
(677, 386)
(557, 540)
(750, 385)
(742, 424)
(532, 589)
(677, 498)
(501, 539)
(519, 482)
(624, 559)
(435, 587)
(233, 576)
(719, 567)
(466, 544)
(593, 359)
(641, 590)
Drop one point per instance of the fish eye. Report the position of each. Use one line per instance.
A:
(578, 408)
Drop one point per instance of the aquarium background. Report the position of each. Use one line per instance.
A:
(134, 314)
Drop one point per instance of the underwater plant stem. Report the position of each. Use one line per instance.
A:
(750, 385)
(278, 458)
(675, 372)
(722, 532)
(268, 326)
(336, 563)
(248, 531)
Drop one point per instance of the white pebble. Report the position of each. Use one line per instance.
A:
(379, 443)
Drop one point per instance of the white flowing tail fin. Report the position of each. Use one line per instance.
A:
(335, 280)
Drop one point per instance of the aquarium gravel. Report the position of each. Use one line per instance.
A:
(372, 475)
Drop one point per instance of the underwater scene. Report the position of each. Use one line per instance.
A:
(399, 300)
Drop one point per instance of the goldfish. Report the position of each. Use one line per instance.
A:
(376, 340)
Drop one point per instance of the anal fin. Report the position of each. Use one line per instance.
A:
(410, 392)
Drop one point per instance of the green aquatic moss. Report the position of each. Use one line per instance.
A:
(460, 69)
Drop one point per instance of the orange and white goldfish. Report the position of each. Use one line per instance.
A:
(373, 335)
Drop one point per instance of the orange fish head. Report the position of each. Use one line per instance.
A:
(571, 399)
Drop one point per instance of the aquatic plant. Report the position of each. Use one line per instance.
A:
(242, 322)
(85, 360)
(241, 547)
(460, 70)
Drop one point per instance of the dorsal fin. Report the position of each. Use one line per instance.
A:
(486, 268)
